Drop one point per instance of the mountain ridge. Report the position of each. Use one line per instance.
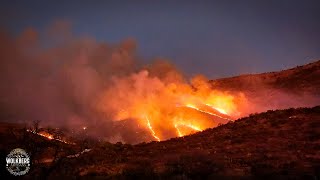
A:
(299, 78)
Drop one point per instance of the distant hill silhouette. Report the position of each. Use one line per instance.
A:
(301, 79)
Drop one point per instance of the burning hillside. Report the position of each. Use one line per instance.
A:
(169, 109)
(282, 144)
(80, 82)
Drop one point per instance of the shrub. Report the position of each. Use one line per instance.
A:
(139, 169)
(196, 165)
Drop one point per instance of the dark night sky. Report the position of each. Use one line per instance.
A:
(215, 38)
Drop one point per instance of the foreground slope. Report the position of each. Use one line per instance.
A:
(282, 143)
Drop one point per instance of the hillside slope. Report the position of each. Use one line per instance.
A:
(301, 79)
(296, 87)
(282, 144)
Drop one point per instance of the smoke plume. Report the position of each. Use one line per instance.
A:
(67, 81)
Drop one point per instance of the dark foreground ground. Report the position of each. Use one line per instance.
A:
(282, 144)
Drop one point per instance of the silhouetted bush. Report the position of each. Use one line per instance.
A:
(139, 169)
(195, 166)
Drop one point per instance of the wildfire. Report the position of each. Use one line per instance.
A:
(218, 109)
(43, 134)
(48, 136)
(207, 112)
(193, 127)
(169, 109)
(178, 130)
(151, 129)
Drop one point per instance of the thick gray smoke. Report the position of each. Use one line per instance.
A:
(57, 78)
(60, 80)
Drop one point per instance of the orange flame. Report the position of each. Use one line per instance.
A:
(151, 129)
(191, 126)
(175, 108)
(213, 114)
(178, 130)
(46, 135)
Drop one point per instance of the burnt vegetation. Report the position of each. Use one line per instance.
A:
(274, 144)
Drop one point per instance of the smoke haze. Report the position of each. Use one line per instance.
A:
(63, 80)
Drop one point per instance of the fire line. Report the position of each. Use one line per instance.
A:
(213, 114)
(151, 129)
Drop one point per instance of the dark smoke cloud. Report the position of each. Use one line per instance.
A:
(57, 84)
(57, 78)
